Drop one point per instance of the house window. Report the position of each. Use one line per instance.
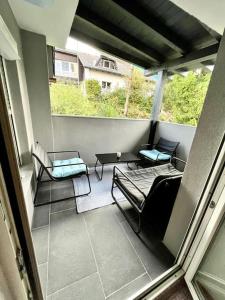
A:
(106, 85)
(65, 68)
(57, 67)
(107, 63)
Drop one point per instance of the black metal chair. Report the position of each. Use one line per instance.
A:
(160, 153)
(58, 170)
(151, 193)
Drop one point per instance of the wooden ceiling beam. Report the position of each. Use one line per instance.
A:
(192, 58)
(84, 37)
(113, 30)
(162, 32)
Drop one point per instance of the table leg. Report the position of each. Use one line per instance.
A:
(99, 176)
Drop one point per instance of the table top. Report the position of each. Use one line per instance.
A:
(109, 158)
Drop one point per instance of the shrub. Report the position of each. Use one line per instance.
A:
(184, 98)
(93, 89)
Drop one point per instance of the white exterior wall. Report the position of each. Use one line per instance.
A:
(117, 81)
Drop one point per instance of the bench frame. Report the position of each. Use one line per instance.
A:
(139, 209)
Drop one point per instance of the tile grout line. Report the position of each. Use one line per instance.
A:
(40, 227)
(126, 235)
(56, 212)
(125, 285)
(70, 284)
(42, 263)
(94, 256)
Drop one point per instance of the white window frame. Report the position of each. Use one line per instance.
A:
(61, 72)
(208, 227)
(106, 88)
(112, 64)
(13, 125)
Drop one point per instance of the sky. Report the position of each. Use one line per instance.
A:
(75, 45)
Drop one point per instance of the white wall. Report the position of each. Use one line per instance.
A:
(177, 133)
(92, 135)
(36, 70)
(116, 80)
(206, 143)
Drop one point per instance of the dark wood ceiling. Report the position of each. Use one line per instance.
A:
(154, 34)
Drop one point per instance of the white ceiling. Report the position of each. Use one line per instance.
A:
(54, 20)
(210, 12)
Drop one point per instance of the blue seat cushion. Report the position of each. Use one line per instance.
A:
(155, 154)
(68, 170)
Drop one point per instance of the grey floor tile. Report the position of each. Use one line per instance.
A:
(85, 289)
(116, 259)
(42, 270)
(154, 255)
(41, 216)
(70, 253)
(62, 205)
(63, 189)
(130, 289)
(40, 239)
(43, 194)
(128, 209)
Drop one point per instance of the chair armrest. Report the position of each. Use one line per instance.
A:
(67, 151)
(176, 158)
(114, 175)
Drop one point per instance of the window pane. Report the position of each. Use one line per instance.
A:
(57, 67)
(106, 64)
(65, 66)
(72, 67)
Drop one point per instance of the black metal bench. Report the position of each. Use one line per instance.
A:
(152, 190)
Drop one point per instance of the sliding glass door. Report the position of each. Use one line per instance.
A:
(206, 273)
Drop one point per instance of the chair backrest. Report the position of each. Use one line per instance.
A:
(41, 156)
(164, 145)
(160, 200)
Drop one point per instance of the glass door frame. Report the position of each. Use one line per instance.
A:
(209, 225)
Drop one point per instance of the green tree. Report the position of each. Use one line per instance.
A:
(93, 89)
(138, 90)
(184, 97)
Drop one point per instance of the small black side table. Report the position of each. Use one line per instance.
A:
(111, 158)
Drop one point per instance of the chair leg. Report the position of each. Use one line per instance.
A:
(89, 185)
(137, 230)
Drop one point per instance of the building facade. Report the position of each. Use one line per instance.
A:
(111, 73)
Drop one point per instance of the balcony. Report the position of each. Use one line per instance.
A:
(94, 254)
(98, 248)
